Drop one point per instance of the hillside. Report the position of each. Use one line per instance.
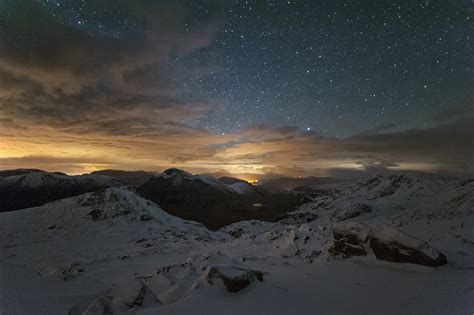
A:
(29, 188)
(112, 249)
(213, 202)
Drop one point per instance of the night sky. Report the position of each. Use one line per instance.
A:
(246, 87)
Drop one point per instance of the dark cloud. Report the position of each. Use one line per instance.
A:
(57, 73)
(444, 148)
(448, 146)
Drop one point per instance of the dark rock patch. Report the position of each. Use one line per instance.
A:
(390, 244)
(234, 280)
(350, 239)
(145, 297)
(352, 212)
(385, 242)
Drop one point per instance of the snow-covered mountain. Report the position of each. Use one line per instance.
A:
(362, 246)
(101, 224)
(211, 201)
(241, 186)
(28, 188)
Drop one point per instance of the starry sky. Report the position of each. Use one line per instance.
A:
(256, 88)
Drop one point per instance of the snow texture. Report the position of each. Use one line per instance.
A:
(112, 248)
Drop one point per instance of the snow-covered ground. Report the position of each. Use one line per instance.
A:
(112, 250)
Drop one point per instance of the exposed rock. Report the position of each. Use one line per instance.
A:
(351, 212)
(95, 214)
(390, 244)
(145, 217)
(234, 279)
(350, 239)
(237, 233)
(145, 297)
(71, 271)
(386, 242)
(298, 217)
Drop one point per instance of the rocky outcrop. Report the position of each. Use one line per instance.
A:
(296, 218)
(385, 242)
(351, 212)
(390, 244)
(350, 239)
(145, 298)
(234, 279)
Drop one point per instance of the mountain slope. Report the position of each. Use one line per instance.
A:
(213, 202)
(30, 189)
(112, 248)
(104, 224)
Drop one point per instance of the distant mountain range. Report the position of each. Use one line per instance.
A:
(25, 188)
(133, 178)
(211, 201)
(202, 198)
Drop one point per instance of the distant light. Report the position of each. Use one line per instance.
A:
(308, 129)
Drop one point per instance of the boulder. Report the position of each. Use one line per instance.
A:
(350, 239)
(385, 242)
(390, 244)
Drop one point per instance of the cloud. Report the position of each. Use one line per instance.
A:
(75, 99)
(444, 148)
(56, 73)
